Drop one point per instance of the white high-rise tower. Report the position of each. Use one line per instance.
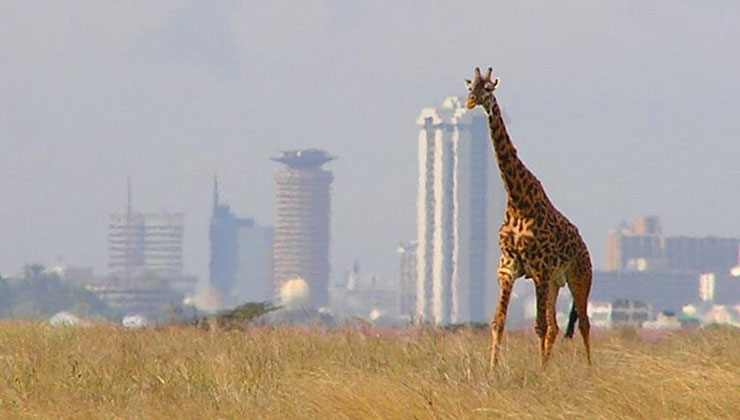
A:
(460, 203)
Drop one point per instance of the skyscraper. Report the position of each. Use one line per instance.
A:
(460, 203)
(302, 223)
(241, 256)
(144, 242)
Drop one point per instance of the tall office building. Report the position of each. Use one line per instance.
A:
(222, 266)
(459, 208)
(241, 256)
(302, 224)
(144, 242)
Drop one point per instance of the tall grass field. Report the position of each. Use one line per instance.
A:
(187, 372)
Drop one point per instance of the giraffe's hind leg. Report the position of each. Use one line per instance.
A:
(579, 283)
(551, 319)
(540, 326)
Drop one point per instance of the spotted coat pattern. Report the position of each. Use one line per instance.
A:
(536, 240)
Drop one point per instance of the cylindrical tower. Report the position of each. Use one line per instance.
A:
(302, 223)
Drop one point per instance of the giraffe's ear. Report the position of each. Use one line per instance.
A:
(492, 85)
(468, 83)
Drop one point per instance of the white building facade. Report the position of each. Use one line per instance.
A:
(460, 206)
(145, 242)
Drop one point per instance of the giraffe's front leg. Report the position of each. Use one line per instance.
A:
(540, 326)
(508, 271)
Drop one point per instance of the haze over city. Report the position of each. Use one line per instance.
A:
(293, 209)
(620, 111)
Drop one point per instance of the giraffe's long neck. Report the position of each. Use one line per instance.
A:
(515, 175)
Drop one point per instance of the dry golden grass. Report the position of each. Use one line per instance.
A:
(285, 373)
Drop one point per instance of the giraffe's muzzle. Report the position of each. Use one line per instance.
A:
(469, 104)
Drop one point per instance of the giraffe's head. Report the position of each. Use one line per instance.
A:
(481, 88)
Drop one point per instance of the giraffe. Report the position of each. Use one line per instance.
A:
(536, 240)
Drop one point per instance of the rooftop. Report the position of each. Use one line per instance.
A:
(304, 158)
(451, 112)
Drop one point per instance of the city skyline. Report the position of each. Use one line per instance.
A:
(611, 105)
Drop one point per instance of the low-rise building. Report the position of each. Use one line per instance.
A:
(642, 246)
(363, 296)
(618, 313)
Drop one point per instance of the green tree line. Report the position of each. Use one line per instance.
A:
(38, 294)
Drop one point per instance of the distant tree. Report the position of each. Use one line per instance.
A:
(247, 312)
(32, 271)
(240, 316)
(6, 295)
(39, 294)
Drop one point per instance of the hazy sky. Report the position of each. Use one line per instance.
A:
(621, 110)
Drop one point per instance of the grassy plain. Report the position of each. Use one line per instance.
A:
(103, 372)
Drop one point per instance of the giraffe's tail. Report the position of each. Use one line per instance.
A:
(571, 322)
